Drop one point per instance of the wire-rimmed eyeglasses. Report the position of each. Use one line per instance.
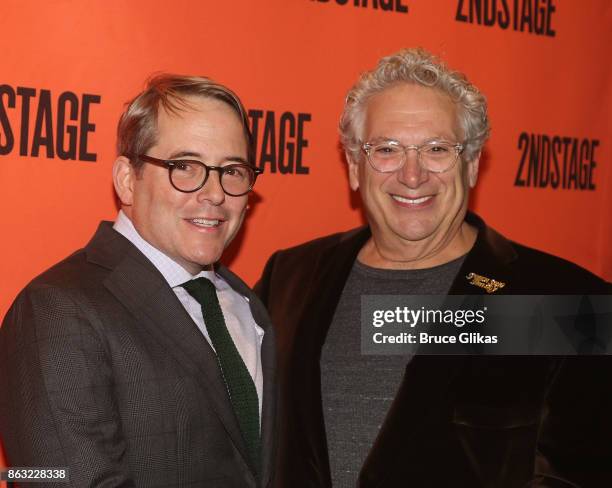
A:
(436, 156)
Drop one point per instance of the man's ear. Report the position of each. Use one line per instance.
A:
(124, 177)
(472, 171)
(353, 171)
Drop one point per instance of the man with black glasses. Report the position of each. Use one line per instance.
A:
(139, 360)
(413, 131)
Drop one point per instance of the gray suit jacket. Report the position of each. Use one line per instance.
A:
(103, 371)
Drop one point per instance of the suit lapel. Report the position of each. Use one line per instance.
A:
(137, 284)
(268, 364)
(331, 271)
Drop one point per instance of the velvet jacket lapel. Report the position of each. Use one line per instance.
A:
(491, 257)
(322, 294)
(139, 286)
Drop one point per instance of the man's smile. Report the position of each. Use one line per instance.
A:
(206, 222)
(412, 201)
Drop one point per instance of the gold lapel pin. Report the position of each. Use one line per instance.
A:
(488, 284)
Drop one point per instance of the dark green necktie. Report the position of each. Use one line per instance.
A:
(240, 386)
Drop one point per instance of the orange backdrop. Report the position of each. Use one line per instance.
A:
(69, 66)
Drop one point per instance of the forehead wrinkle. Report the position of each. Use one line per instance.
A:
(185, 154)
(182, 134)
(198, 156)
(422, 124)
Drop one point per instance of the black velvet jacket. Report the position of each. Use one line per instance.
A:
(457, 421)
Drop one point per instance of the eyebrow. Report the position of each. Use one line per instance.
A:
(426, 141)
(198, 156)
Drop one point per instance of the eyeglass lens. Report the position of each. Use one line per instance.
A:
(236, 179)
(437, 157)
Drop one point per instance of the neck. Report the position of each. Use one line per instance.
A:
(404, 254)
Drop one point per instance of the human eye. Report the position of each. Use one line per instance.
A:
(386, 149)
(185, 166)
(439, 149)
(238, 171)
(187, 170)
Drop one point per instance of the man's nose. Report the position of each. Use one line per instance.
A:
(412, 174)
(212, 189)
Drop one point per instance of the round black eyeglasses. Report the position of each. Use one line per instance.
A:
(188, 175)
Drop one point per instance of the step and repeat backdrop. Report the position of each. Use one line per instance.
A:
(68, 67)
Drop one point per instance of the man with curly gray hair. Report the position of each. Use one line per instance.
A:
(417, 66)
(413, 132)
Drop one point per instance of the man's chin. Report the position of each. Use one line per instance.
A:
(412, 231)
(208, 261)
(193, 264)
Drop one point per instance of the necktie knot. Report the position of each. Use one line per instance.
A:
(202, 289)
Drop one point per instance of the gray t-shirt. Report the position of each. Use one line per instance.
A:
(357, 390)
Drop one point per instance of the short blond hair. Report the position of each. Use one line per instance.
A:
(137, 128)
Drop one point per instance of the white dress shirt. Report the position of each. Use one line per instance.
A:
(245, 332)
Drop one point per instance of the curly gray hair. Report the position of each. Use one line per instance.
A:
(420, 67)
